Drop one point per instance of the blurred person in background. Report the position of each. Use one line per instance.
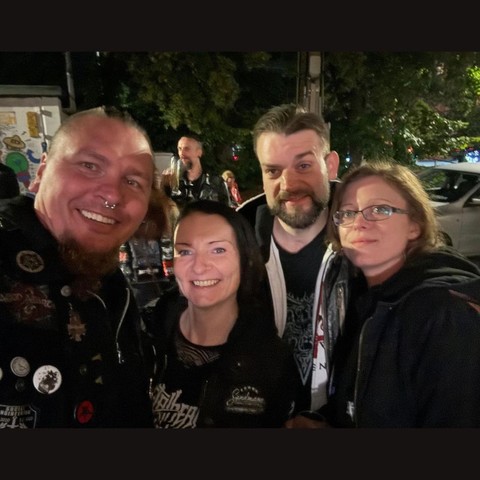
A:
(194, 183)
(235, 198)
(142, 258)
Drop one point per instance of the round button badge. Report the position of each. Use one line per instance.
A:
(84, 411)
(20, 366)
(66, 290)
(47, 379)
(20, 385)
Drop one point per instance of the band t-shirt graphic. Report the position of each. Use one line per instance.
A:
(177, 398)
(301, 272)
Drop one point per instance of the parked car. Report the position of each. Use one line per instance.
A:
(455, 194)
(433, 162)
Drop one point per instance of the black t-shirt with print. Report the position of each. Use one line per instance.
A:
(301, 272)
(176, 400)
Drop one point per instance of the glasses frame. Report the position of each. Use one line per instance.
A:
(356, 212)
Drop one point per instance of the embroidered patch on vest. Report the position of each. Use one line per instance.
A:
(17, 416)
(245, 400)
(29, 304)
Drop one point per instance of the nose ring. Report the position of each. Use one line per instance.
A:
(109, 205)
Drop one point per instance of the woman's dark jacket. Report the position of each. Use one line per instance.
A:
(253, 357)
(410, 353)
(91, 348)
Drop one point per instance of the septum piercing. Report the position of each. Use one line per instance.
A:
(109, 205)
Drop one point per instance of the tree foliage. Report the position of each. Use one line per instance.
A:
(397, 105)
(218, 96)
(384, 104)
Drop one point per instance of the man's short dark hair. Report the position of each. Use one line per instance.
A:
(291, 118)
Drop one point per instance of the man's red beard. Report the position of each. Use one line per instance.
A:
(88, 268)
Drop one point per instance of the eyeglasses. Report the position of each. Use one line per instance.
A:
(374, 213)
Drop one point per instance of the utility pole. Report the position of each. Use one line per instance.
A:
(314, 93)
(72, 107)
(310, 92)
(310, 81)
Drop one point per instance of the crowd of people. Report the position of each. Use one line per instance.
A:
(323, 302)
